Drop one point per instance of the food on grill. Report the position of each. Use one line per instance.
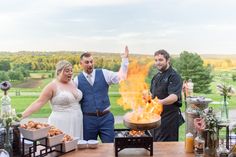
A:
(124, 140)
(136, 133)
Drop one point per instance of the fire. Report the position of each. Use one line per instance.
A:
(135, 94)
(136, 133)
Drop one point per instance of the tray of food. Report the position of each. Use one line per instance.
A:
(55, 137)
(34, 130)
(68, 144)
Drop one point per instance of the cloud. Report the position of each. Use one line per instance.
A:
(82, 3)
(220, 27)
(78, 20)
(107, 25)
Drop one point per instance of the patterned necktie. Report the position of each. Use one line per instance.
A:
(89, 77)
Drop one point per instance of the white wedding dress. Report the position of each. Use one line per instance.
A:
(66, 113)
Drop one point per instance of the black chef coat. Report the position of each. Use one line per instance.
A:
(162, 85)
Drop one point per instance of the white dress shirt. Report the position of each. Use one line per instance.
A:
(111, 77)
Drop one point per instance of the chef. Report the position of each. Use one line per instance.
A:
(167, 86)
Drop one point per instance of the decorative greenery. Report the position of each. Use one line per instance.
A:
(211, 132)
(210, 120)
(225, 90)
(9, 119)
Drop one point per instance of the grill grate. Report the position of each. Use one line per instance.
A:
(124, 140)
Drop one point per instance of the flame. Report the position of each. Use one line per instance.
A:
(136, 133)
(135, 93)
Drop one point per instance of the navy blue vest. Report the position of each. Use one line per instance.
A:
(94, 97)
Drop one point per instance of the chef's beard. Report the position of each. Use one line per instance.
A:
(162, 68)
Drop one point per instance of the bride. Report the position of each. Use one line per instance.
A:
(64, 98)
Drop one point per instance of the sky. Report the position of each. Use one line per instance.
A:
(199, 26)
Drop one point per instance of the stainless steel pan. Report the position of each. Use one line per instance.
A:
(141, 126)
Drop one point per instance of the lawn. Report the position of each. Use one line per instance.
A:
(28, 95)
(20, 103)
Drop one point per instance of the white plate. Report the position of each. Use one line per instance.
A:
(82, 144)
(92, 143)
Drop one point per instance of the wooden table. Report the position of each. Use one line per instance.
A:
(160, 149)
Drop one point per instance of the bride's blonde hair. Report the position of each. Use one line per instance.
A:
(61, 65)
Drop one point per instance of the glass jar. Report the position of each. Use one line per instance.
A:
(195, 107)
(222, 151)
(232, 154)
(211, 144)
(224, 110)
(4, 153)
(199, 145)
(7, 143)
(6, 105)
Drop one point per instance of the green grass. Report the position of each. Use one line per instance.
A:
(115, 108)
(22, 102)
(119, 126)
(182, 132)
(114, 88)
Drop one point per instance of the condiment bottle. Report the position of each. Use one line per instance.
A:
(189, 143)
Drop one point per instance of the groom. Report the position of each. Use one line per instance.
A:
(94, 84)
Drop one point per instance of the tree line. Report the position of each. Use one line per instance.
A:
(17, 66)
(35, 61)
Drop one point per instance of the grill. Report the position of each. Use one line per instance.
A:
(124, 140)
